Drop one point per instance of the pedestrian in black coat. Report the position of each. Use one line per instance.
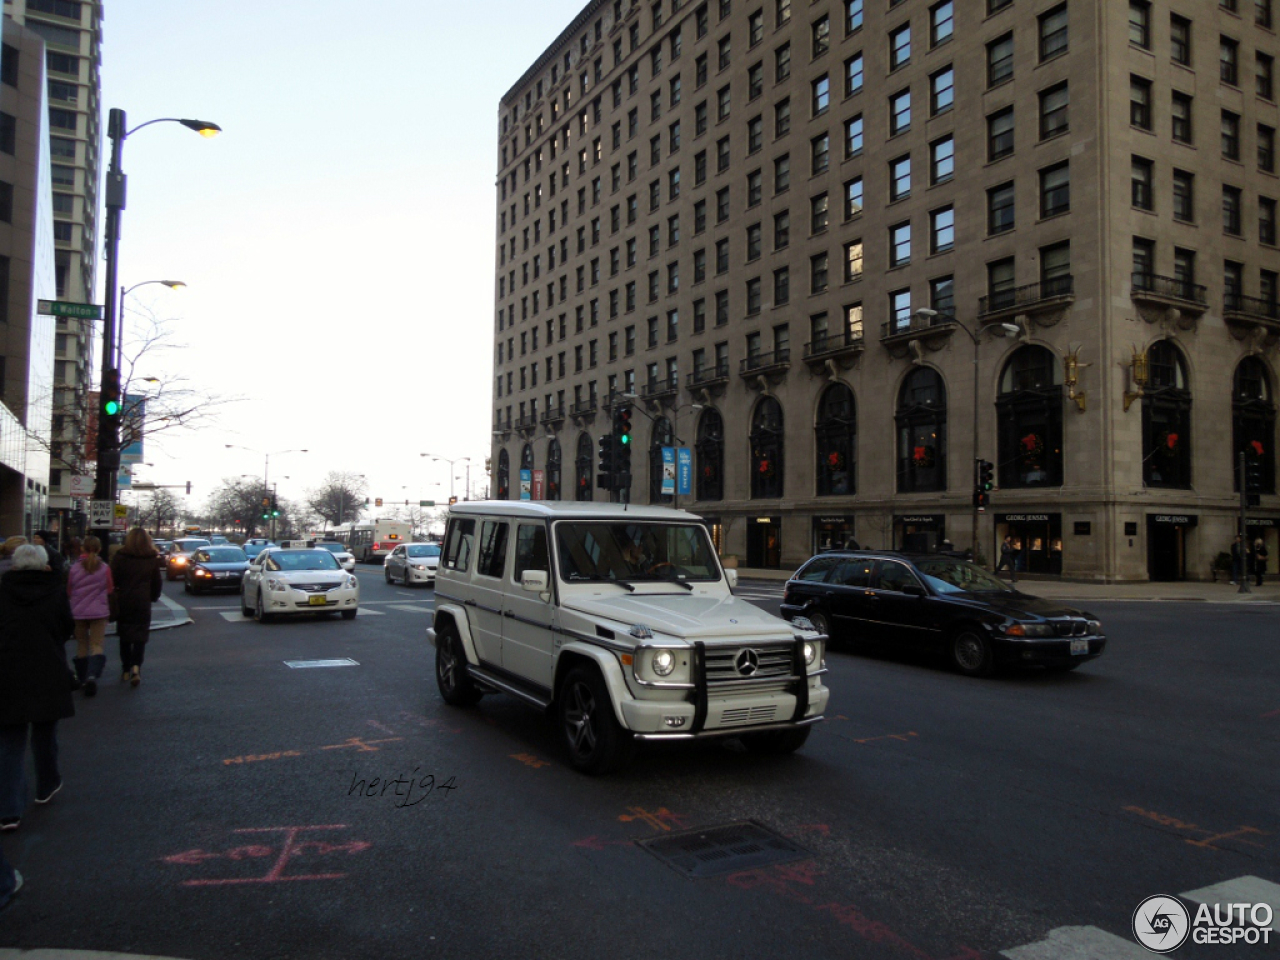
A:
(35, 680)
(138, 585)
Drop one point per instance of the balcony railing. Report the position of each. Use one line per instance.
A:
(1173, 288)
(660, 388)
(553, 414)
(502, 424)
(527, 422)
(827, 344)
(1240, 305)
(584, 407)
(711, 373)
(1028, 296)
(916, 324)
(760, 362)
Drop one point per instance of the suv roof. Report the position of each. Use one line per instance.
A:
(566, 509)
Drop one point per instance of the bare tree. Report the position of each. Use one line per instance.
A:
(158, 509)
(340, 499)
(238, 503)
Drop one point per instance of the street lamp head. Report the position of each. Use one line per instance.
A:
(926, 312)
(173, 284)
(202, 127)
(1010, 329)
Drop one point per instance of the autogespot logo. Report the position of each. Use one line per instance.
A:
(1161, 924)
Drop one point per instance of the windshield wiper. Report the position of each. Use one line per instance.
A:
(623, 583)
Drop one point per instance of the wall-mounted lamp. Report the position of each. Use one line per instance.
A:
(1071, 377)
(1138, 375)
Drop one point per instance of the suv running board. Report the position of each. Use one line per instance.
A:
(490, 680)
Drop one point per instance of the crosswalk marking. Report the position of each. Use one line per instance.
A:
(235, 616)
(1079, 943)
(1240, 890)
(410, 607)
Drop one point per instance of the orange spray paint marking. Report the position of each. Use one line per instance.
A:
(259, 757)
(655, 820)
(889, 736)
(361, 745)
(529, 760)
(291, 848)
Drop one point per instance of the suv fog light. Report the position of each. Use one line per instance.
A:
(674, 721)
(664, 662)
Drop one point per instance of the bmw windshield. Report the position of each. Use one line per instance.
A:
(946, 575)
(634, 552)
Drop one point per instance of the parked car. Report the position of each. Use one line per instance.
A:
(346, 559)
(255, 545)
(939, 601)
(179, 556)
(412, 563)
(281, 581)
(621, 623)
(215, 567)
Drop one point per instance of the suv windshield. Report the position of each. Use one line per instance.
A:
(634, 551)
(956, 576)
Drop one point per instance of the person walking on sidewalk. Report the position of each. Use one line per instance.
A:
(89, 584)
(1009, 557)
(6, 551)
(35, 682)
(1260, 556)
(138, 585)
(1237, 560)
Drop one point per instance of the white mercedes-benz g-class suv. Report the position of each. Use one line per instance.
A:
(620, 622)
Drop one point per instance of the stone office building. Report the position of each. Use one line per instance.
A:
(841, 251)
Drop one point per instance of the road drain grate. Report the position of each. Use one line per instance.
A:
(715, 851)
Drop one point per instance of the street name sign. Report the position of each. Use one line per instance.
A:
(63, 308)
(426, 503)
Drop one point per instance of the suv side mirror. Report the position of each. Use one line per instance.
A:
(534, 581)
(732, 577)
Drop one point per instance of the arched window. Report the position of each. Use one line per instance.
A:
(766, 450)
(1166, 419)
(583, 461)
(504, 476)
(553, 469)
(837, 436)
(710, 446)
(1029, 409)
(526, 457)
(662, 437)
(1253, 425)
(922, 432)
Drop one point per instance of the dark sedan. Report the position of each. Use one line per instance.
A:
(219, 567)
(940, 601)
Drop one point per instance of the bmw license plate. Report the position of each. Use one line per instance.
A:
(318, 600)
(1079, 647)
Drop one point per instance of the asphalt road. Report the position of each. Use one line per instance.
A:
(228, 807)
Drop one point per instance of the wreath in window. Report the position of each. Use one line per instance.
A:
(922, 457)
(1169, 443)
(1032, 445)
(766, 468)
(835, 460)
(1255, 447)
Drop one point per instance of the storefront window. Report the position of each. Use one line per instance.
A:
(710, 448)
(553, 469)
(837, 436)
(662, 437)
(766, 450)
(1037, 537)
(1166, 420)
(1253, 425)
(526, 457)
(922, 424)
(1029, 410)
(504, 475)
(583, 463)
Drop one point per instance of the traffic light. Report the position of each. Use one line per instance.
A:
(275, 508)
(110, 393)
(1253, 467)
(986, 476)
(266, 508)
(377, 502)
(622, 454)
(452, 501)
(604, 469)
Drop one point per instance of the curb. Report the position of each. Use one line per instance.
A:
(177, 616)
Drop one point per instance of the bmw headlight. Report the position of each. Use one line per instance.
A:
(664, 661)
(1029, 630)
(1095, 626)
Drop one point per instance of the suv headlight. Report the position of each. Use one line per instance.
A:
(664, 661)
(810, 653)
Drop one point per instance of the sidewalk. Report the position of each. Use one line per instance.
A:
(165, 614)
(1053, 588)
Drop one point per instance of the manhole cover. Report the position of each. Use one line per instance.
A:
(714, 851)
(306, 664)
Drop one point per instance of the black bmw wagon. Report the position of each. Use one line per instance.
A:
(976, 619)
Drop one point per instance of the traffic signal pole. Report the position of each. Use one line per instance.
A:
(1244, 523)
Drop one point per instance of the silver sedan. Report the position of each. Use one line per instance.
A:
(412, 563)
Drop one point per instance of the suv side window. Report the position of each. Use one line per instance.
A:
(854, 573)
(531, 549)
(458, 544)
(493, 548)
(895, 576)
(818, 569)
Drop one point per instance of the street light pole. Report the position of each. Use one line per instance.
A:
(108, 447)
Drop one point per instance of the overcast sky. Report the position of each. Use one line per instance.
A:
(337, 239)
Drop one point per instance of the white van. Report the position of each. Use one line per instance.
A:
(621, 622)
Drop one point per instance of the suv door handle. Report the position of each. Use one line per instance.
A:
(468, 603)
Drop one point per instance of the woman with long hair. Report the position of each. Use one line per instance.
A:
(138, 585)
(89, 582)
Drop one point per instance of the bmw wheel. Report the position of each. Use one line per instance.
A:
(970, 653)
(597, 742)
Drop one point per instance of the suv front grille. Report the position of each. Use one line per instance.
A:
(758, 662)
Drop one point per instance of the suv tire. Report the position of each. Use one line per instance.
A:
(597, 743)
(456, 686)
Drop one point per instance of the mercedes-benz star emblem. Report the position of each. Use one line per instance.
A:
(747, 662)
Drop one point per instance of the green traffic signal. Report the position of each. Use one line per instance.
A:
(111, 408)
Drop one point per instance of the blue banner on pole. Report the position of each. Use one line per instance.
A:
(684, 471)
(668, 471)
(526, 484)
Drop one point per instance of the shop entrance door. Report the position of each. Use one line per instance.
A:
(764, 543)
(1166, 551)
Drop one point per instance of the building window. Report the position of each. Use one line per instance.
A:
(836, 441)
(1000, 134)
(1266, 148)
(942, 229)
(1000, 60)
(1166, 419)
(941, 91)
(1228, 61)
(821, 89)
(853, 137)
(1231, 214)
(1000, 284)
(1000, 208)
(821, 36)
(1029, 415)
(853, 261)
(818, 273)
(899, 112)
(1055, 189)
(1140, 103)
(900, 178)
(900, 47)
(782, 63)
(941, 22)
(818, 213)
(782, 118)
(1184, 207)
(1141, 176)
(1055, 270)
(1053, 32)
(1267, 221)
(1180, 117)
(767, 450)
(1140, 23)
(710, 451)
(921, 419)
(900, 244)
(782, 173)
(1264, 76)
(852, 198)
(1230, 135)
(821, 151)
(1180, 39)
(1053, 111)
